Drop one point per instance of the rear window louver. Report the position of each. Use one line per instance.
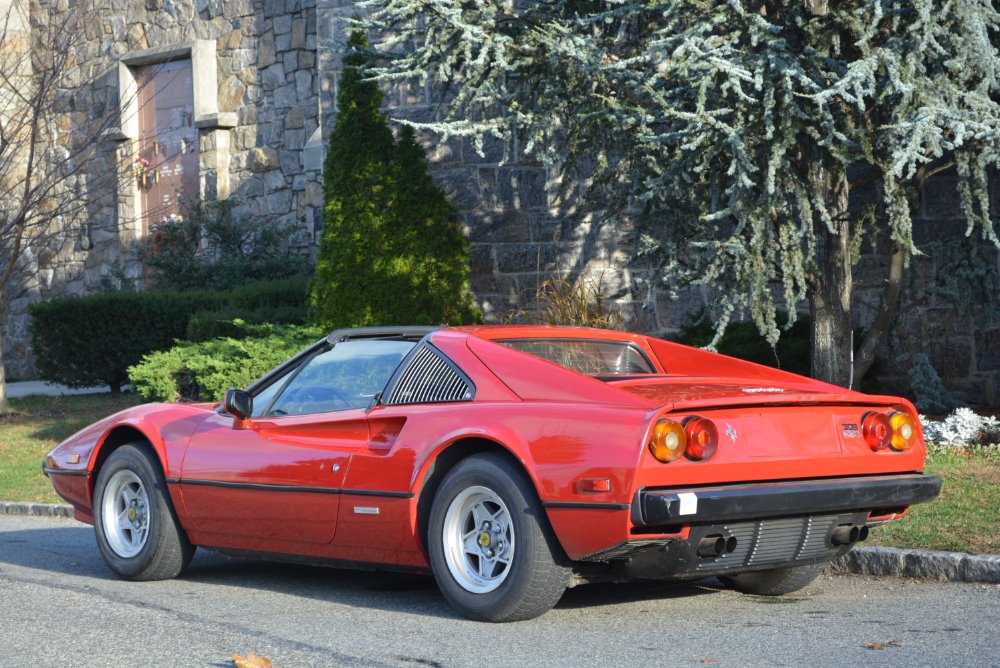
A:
(429, 379)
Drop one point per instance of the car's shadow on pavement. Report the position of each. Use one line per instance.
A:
(72, 551)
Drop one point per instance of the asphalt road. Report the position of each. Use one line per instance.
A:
(60, 606)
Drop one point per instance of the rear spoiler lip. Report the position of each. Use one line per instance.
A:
(785, 399)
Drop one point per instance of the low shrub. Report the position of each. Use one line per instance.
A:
(281, 301)
(963, 428)
(210, 246)
(276, 293)
(207, 325)
(203, 371)
(92, 340)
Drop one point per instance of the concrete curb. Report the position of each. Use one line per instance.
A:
(924, 564)
(37, 509)
(892, 561)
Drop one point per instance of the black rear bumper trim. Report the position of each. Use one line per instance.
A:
(752, 501)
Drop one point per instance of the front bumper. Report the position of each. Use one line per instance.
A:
(726, 503)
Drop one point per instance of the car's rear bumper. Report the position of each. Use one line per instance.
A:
(724, 503)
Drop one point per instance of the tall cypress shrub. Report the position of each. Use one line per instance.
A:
(392, 250)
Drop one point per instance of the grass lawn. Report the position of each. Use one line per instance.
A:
(36, 426)
(965, 518)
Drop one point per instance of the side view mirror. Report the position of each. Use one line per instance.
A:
(238, 403)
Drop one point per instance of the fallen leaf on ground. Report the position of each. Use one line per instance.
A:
(251, 661)
(882, 645)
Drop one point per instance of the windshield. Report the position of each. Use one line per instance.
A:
(592, 357)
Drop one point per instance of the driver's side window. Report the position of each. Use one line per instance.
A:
(349, 375)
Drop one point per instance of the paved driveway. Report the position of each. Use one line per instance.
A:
(59, 606)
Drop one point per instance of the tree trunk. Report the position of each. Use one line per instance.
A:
(831, 296)
(887, 313)
(4, 405)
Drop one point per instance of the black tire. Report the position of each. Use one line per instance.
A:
(776, 581)
(535, 575)
(148, 543)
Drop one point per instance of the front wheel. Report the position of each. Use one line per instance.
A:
(135, 524)
(776, 581)
(492, 552)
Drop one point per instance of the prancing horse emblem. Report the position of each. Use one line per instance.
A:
(731, 431)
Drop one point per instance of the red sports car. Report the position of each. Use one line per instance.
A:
(512, 462)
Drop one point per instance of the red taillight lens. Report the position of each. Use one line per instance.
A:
(668, 441)
(702, 437)
(904, 431)
(877, 430)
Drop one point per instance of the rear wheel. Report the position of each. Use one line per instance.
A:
(776, 581)
(492, 551)
(135, 524)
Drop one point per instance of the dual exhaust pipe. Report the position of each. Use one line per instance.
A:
(848, 534)
(717, 545)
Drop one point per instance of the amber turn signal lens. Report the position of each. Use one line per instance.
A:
(877, 430)
(904, 431)
(668, 442)
(702, 437)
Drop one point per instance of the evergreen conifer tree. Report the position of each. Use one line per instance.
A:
(392, 251)
(739, 127)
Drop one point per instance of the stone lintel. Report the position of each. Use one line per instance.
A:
(205, 84)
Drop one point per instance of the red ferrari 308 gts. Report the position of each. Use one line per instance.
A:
(512, 462)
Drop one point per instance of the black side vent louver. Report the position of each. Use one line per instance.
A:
(429, 379)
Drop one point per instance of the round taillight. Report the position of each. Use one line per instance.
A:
(702, 437)
(877, 430)
(668, 441)
(904, 431)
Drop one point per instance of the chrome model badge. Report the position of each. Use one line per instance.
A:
(731, 431)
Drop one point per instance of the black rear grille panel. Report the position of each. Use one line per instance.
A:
(776, 542)
(761, 544)
(429, 378)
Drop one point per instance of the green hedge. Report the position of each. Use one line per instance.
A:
(94, 339)
(208, 325)
(204, 371)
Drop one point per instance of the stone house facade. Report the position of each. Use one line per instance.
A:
(235, 98)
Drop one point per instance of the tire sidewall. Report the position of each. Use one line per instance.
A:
(495, 475)
(130, 458)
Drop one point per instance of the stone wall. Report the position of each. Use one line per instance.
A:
(950, 306)
(259, 106)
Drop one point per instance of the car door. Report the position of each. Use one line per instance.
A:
(272, 482)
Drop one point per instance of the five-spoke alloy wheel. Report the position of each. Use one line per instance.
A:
(126, 514)
(492, 551)
(135, 524)
(478, 540)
